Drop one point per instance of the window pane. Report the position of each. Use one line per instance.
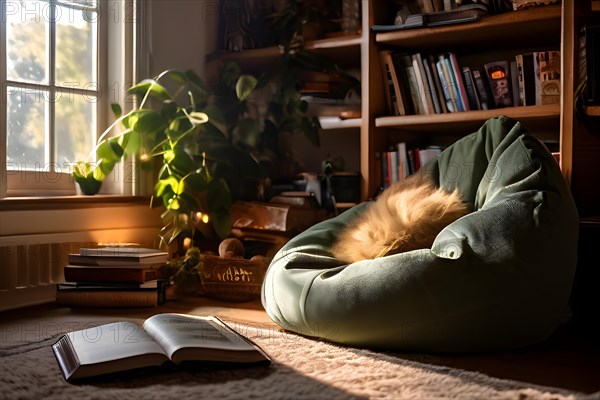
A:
(75, 128)
(75, 47)
(27, 35)
(80, 3)
(26, 129)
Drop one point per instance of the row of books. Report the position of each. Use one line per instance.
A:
(435, 84)
(114, 277)
(399, 161)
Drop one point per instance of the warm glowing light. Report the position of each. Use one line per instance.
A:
(202, 217)
(187, 243)
(498, 74)
(144, 157)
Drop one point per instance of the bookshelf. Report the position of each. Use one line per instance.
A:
(490, 38)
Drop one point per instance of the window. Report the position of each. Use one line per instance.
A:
(55, 72)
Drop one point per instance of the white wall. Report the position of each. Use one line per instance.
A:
(182, 33)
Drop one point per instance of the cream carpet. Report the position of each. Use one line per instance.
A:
(302, 369)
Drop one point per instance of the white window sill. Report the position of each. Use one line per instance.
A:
(69, 202)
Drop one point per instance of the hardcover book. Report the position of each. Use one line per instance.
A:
(498, 75)
(526, 77)
(405, 67)
(390, 90)
(472, 96)
(452, 83)
(437, 83)
(118, 256)
(394, 87)
(111, 295)
(424, 91)
(86, 273)
(176, 339)
(458, 79)
(547, 67)
(483, 90)
(446, 84)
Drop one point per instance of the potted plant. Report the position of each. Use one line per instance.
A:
(183, 129)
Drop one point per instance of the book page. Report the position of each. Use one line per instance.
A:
(177, 331)
(111, 342)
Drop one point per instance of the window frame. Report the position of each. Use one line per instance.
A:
(118, 20)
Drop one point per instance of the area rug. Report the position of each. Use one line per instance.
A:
(302, 368)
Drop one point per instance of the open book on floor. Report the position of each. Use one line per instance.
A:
(163, 338)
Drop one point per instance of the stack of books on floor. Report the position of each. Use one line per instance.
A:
(120, 277)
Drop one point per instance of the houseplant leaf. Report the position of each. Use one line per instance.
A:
(247, 132)
(197, 182)
(133, 144)
(244, 86)
(180, 162)
(216, 118)
(149, 123)
(150, 87)
(116, 109)
(109, 150)
(198, 118)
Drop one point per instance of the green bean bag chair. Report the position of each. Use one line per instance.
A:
(498, 278)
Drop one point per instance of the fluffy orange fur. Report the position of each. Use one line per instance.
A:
(406, 216)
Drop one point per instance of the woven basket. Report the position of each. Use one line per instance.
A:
(232, 279)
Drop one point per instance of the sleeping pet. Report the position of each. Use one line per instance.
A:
(406, 216)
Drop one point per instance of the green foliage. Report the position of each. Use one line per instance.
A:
(180, 129)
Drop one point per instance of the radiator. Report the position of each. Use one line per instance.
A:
(24, 267)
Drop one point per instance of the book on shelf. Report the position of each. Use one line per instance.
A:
(514, 83)
(483, 90)
(498, 76)
(403, 166)
(450, 77)
(430, 18)
(437, 83)
(471, 89)
(388, 84)
(394, 96)
(428, 154)
(449, 97)
(424, 90)
(525, 70)
(461, 92)
(399, 162)
(388, 173)
(404, 64)
(181, 340)
(111, 295)
(437, 108)
(547, 76)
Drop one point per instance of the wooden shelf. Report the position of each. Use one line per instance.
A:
(531, 115)
(331, 122)
(334, 42)
(495, 31)
(341, 47)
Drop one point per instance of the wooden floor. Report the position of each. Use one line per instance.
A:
(570, 359)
